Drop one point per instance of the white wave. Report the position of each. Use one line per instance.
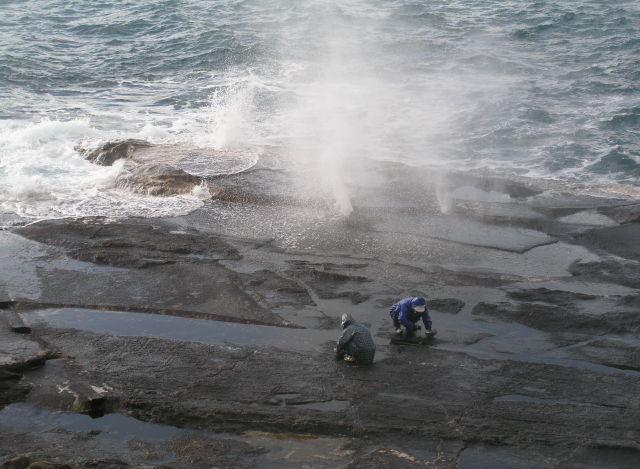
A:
(109, 203)
(42, 176)
(38, 162)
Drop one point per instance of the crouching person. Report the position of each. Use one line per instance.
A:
(355, 343)
(407, 313)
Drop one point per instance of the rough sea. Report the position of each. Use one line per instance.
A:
(547, 89)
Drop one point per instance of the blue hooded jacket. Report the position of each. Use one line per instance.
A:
(407, 316)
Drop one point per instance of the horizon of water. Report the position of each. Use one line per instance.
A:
(544, 90)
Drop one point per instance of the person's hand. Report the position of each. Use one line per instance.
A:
(335, 350)
(416, 327)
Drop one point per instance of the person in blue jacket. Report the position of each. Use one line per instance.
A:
(408, 312)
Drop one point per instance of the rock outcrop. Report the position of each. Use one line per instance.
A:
(158, 180)
(109, 152)
(24, 462)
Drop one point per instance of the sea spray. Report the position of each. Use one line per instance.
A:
(229, 117)
(329, 127)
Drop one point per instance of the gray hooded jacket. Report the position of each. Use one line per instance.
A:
(356, 341)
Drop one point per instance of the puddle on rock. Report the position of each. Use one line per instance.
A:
(117, 435)
(194, 330)
(119, 427)
(513, 341)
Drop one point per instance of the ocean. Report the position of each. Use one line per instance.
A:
(546, 89)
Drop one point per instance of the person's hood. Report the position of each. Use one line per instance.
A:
(347, 320)
(418, 301)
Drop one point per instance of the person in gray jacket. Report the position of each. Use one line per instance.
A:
(355, 343)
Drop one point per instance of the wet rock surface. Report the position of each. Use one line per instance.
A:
(554, 318)
(623, 214)
(109, 152)
(157, 179)
(23, 462)
(197, 451)
(623, 241)
(161, 263)
(446, 305)
(533, 288)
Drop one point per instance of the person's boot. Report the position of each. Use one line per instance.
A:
(349, 358)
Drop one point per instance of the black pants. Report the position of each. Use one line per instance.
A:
(396, 324)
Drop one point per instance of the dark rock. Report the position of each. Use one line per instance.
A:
(8, 375)
(328, 284)
(441, 276)
(563, 339)
(515, 189)
(24, 462)
(557, 297)
(607, 271)
(157, 180)
(326, 277)
(109, 152)
(520, 191)
(623, 241)
(555, 318)
(329, 323)
(65, 385)
(513, 213)
(387, 458)
(237, 196)
(446, 305)
(149, 450)
(354, 296)
(622, 214)
(18, 352)
(632, 301)
(86, 435)
(385, 302)
(106, 463)
(206, 452)
(273, 289)
(126, 244)
(490, 309)
(615, 353)
(16, 324)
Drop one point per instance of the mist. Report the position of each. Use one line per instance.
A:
(358, 97)
(345, 83)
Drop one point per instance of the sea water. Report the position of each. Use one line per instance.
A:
(547, 89)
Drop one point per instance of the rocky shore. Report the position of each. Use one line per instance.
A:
(206, 340)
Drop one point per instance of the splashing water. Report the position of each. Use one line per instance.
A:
(539, 90)
(43, 176)
(229, 117)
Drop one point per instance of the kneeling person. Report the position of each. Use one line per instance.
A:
(355, 343)
(408, 312)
